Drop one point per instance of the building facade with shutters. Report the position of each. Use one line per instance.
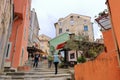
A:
(75, 23)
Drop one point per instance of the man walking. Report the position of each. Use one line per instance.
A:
(36, 59)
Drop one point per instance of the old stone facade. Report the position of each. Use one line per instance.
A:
(33, 29)
(44, 45)
(77, 24)
(6, 17)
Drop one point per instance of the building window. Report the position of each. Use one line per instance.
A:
(71, 16)
(78, 16)
(8, 50)
(71, 21)
(60, 30)
(13, 15)
(60, 23)
(85, 28)
(72, 55)
(67, 30)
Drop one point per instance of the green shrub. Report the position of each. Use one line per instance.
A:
(81, 59)
(61, 65)
(92, 53)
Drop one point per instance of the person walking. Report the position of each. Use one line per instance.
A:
(56, 62)
(50, 60)
(36, 59)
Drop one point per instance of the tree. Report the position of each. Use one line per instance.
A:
(52, 49)
(72, 45)
(81, 59)
(81, 42)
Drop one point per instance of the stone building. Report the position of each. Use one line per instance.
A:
(33, 39)
(75, 23)
(44, 45)
(33, 29)
(6, 18)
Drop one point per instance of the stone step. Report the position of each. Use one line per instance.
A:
(34, 73)
(40, 73)
(9, 70)
(48, 70)
(4, 77)
(36, 77)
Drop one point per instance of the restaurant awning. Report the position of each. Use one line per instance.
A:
(61, 45)
(33, 50)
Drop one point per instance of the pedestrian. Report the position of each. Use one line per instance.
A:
(36, 59)
(56, 62)
(50, 60)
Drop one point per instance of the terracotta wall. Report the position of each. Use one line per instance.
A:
(15, 39)
(18, 7)
(104, 67)
(19, 35)
(114, 7)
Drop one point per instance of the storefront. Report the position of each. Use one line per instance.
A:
(32, 50)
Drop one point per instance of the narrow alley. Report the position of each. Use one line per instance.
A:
(59, 40)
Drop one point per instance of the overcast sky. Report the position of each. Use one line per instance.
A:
(49, 11)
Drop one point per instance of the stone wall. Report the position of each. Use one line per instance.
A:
(5, 23)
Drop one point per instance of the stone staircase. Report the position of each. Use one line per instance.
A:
(40, 73)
